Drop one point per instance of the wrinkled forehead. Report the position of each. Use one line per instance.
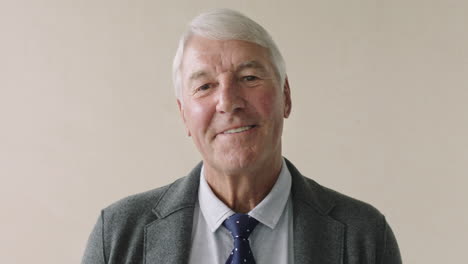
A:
(203, 55)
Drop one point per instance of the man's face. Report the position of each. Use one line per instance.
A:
(232, 103)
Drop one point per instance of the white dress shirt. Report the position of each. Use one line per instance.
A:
(272, 239)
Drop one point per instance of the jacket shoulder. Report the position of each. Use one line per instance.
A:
(137, 202)
(349, 209)
(359, 218)
(122, 224)
(137, 205)
(329, 202)
(366, 228)
(368, 237)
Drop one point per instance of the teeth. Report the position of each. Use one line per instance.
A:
(237, 130)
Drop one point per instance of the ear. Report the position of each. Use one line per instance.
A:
(287, 98)
(182, 114)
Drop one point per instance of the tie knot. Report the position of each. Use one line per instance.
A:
(240, 225)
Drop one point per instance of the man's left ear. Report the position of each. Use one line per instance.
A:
(287, 98)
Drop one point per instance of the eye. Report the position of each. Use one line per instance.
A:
(250, 78)
(204, 87)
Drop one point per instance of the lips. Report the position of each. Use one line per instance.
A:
(238, 129)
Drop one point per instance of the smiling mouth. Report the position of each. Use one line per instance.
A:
(238, 130)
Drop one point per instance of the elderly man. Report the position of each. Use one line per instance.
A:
(244, 203)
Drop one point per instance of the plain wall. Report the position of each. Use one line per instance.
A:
(88, 114)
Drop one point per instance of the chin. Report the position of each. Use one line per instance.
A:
(236, 161)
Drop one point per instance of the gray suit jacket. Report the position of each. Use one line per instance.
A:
(156, 227)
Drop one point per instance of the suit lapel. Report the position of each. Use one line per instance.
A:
(318, 238)
(167, 239)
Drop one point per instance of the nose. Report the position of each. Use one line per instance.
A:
(230, 98)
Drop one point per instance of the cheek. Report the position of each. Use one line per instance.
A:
(268, 104)
(198, 116)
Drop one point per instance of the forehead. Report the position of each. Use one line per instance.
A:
(221, 55)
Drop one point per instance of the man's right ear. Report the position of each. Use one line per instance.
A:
(182, 114)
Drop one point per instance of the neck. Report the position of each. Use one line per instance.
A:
(243, 190)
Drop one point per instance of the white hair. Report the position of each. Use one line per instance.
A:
(227, 24)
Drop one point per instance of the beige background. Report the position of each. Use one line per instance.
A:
(88, 116)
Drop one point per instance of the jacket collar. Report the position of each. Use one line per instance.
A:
(310, 192)
(184, 192)
(181, 194)
(318, 238)
(167, 239)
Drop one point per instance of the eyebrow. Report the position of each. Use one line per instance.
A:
(250, 65)
(197, 74)
(245, 65)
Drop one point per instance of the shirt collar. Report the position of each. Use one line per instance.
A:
(267, 212)
(213, 209)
